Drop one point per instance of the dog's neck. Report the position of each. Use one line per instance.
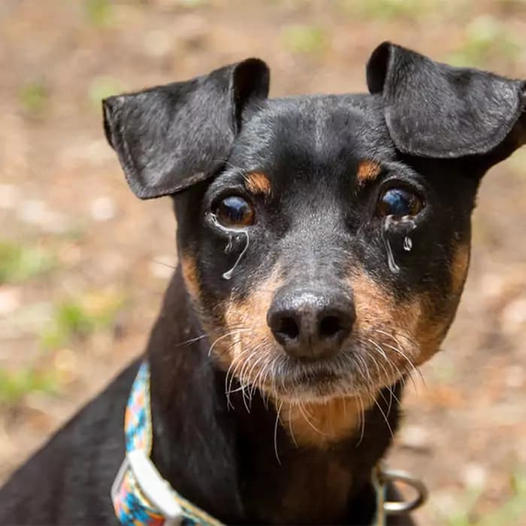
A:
(244, 467)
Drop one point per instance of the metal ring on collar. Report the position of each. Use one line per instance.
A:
(396, 508)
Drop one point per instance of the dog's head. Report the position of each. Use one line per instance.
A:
(324, 240)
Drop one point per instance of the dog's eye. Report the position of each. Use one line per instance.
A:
(399, 202)
(234, 211)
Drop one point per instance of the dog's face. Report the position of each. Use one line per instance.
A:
(324, 240)
(353, 261)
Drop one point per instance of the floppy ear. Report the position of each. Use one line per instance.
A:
(170, 137)
(435, 110)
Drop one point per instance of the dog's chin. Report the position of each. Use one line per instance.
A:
(352, 373)
(321, 386)
(308, 393)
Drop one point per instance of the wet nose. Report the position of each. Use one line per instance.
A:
(311, 324)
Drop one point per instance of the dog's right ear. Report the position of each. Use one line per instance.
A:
(437, 111)
(170, 137)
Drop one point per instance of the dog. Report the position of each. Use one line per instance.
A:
(323, 246)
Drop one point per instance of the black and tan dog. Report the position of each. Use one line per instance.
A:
(323, 244)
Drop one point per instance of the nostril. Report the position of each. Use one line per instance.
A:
(287, 326)
(330, 326)
(311, 324)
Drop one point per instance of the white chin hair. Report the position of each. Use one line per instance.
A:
(305, 393)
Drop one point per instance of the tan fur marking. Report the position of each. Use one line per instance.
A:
(314, 424)
(248, 322)
(459, 268)
(258, 183)
(376, 309)
(432, 328)
(391, 336)
(191, 280)
(320, 424)
(397, 328)
(368, 170)
(415, 327)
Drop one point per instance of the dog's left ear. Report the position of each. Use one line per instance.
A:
(438, 111)
(171, 137)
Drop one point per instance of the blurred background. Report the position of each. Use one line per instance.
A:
(83, 264)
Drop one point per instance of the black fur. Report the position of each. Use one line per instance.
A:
(170, 137)
(435, 110)
(431, 128)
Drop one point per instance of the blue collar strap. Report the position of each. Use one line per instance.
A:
(141, 497)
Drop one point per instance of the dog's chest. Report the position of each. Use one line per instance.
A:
(307, 488)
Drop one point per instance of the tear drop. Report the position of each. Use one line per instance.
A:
(228, 274)
(393, 267)
(229, 245)
(234, 237)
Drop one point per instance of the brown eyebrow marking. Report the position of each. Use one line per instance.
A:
(368, 170)
(258, 183)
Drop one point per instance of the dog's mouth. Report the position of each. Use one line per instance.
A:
(356, 371)
(322, 381)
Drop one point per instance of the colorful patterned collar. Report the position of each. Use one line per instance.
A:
(141, 497)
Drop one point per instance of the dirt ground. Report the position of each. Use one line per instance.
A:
(83, 263)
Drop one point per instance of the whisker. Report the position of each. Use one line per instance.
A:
(217, 340)
(304, 412)
(232, 369)
(401, 335)
(191, 340)
(276, 434)
(290, 427)
(362, 421)
(411, 364)
(240, 378)
(257, 362)
(164, 264)
(262, 375)
(385, 418)
(399, 350)
(387, 359)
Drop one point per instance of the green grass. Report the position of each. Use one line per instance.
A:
(388, 9)
(78, 318)
(102, 87)
(15, 385)
(34, 98)
(486, 40)
(306, 39)
(193, 3)
(99, 12)
(19, 263)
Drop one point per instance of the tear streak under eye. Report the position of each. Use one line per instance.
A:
(387, 225)
(233, 236)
